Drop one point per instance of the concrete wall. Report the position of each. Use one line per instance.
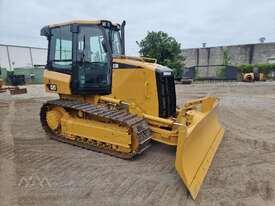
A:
(238, 54)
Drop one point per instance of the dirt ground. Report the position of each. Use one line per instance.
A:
(37, 171)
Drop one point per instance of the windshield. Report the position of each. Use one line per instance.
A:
(90, 44)
(115, 40)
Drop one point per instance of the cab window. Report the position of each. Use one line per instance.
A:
(116, 43)
(60, 55)
(93, 66)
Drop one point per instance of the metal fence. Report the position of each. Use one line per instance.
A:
(12, 56)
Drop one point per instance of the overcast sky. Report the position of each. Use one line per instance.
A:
(191, 22)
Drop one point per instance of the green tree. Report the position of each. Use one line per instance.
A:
(165, 49)
(226, 57)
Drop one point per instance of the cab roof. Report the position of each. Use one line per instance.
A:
(96, 22)
(45, 31)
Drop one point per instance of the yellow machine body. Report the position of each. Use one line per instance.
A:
(137, 87)
(195, 130)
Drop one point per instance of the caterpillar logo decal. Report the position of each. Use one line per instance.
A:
(52, 87)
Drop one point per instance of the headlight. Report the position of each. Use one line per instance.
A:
(166, 71)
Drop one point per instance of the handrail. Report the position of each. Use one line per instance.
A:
(142, 59)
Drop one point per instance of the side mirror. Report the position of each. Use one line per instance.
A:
(45, 31)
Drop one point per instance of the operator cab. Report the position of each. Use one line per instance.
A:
(84, 50)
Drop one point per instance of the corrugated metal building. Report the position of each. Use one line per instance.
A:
(23, 60)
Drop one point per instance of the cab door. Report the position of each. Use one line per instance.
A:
(92, 71)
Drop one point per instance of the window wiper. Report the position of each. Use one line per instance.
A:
(82, 52)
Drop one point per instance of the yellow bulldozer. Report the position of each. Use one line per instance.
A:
(118, 105)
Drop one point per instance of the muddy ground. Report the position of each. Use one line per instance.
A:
(37, 171)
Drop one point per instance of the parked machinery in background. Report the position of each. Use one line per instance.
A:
(14, 88)
(1, 80)
(253, 76)
(1, 84)
(188, 76)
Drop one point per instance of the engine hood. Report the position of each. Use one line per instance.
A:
(137, 62)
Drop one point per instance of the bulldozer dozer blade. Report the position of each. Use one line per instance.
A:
(198, 143)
